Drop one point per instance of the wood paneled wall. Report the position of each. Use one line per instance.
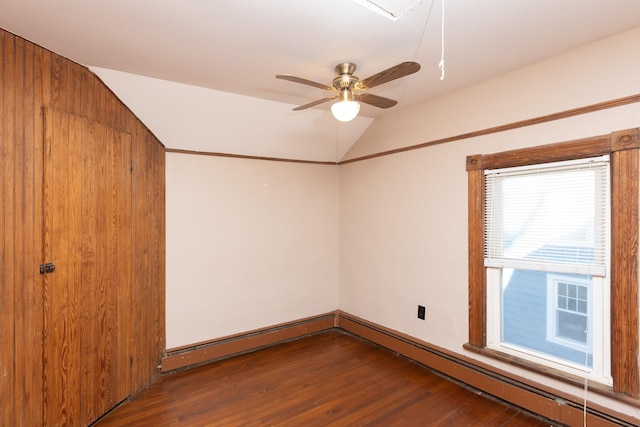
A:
(32, 78)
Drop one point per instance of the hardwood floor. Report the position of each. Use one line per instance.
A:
(327, 379)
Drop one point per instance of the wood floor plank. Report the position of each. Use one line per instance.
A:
(328, 379)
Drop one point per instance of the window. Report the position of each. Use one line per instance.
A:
(546, 245)
(570, 312)
(589, 278)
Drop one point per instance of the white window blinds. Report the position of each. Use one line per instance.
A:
(550, 217)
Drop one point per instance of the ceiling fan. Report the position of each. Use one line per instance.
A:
(349, 89)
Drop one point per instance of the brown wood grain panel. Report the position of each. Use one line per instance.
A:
(157, 343)
(74, 88)
(148, 271)
(99, 189)
(111, 109)
(152, 340)
(100, 112)
(101, 319)
(124, 265)
(20, 227)
(139, 258)
(89, 196)
(62, 289)
(59, 82)
(107, 326)
(87, 105)
(44, 78)
(158, 175)
(7, 284)
(145, 234)
(36, 411)
(477, 276)
(4, 287)
(624, 271)
(90, 274)
(30, 257)
(46, 203)
(120, 281)
(126, 119)
(73, 258)
(138, 250)
(42, 97)
(32, 78)
(58, 371)
(113, 273)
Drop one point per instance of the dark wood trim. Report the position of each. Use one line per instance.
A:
(575, 380)
(233, 345)
(618, 102)
(538, 398)
(474, 162)
(624, 271)
(477, 277)
(625, 139)
(546, 401)
(556, 152)
(241, 156)
(623, 148)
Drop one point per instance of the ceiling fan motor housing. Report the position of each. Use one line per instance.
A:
(351, 88)
(345, 78)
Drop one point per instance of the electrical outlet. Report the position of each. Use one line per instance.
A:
(421, 312)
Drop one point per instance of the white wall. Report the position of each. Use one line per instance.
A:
(255, 243)
(250, 244)
(598, 72)
(403, 220)
(195, 118)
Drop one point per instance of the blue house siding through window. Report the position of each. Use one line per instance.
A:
(524, 306)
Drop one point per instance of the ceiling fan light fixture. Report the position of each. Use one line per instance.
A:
(349, 88)
(346, 109)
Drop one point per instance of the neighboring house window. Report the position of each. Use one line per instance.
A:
(546, 234)
(527, 302)
(569, 312)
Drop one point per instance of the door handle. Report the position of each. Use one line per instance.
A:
(47, 268)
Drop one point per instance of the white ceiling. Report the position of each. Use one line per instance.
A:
(213, 63)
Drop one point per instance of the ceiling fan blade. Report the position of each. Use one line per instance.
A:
(313, 104)
(392, 73)
(376, 101)
(303, 81)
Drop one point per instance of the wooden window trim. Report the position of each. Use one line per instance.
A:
(623, 147)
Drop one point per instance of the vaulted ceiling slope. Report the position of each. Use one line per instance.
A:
(201, 73)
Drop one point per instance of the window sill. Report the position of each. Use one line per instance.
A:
(551, 372)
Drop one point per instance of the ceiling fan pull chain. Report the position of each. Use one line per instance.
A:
(441, 64)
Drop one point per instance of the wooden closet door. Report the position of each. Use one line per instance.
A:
(87, 298)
